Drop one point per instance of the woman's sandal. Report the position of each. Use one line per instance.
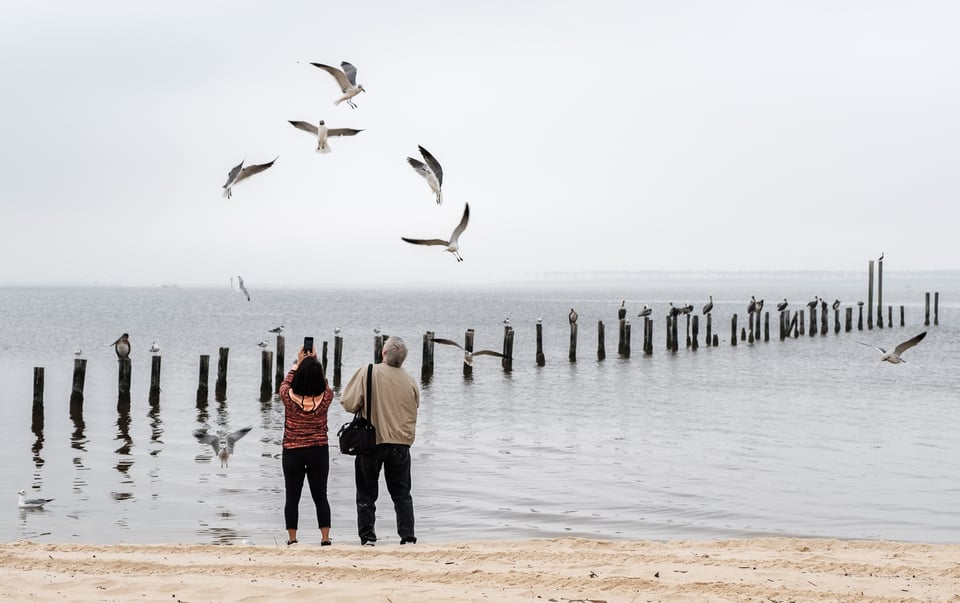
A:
(326, 542)
(294, 541)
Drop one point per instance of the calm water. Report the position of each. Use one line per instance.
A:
(808, 437)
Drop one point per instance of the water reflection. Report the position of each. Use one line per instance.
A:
(123, 434)
(77, 438)
(156, 426)
(36, 426)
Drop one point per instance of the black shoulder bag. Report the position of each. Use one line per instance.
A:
(359, 435)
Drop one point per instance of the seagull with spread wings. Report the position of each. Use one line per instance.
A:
(239, 173)
(430, 169)
(222, 446)
(322, 132)
(347, 79)
(243, 288)
(467, 356)
(453, 245)
(893, 356)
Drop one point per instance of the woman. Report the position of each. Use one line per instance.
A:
(306, 397)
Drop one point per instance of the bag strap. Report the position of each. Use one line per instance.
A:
(369, 390)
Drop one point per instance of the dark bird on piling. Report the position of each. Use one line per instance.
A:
(708, 306)
(222, 446)
(467, 356)
(880, 259)
(782, 305)
(823, 305)
(645, 310)
(243, 288)
(813, 303)
(239, 173)
(687, 309)
(122, 346)
(752, 306)
(893, 357)
(860, 303)
(836, 304)
(622, 311)
(673, 311)
(572, 316)
(430, 169)
(453, 245)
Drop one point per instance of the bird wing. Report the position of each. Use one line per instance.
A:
(236, 435)
(231, 177)
(207, 438)
(250, 170)
(342, 132)
(337, 74)
(873, 346)
(305, 126)
(426, 241)
(419, 166)
(463, 223)
(906, 345)
(446, 342)
(350, 71)
(245, 292)
(433, 163)
(488, 353)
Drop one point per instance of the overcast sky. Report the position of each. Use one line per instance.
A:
(585, 136)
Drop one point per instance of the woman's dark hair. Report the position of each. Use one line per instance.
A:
(309, 379)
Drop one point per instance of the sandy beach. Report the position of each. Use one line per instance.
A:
(557, 570)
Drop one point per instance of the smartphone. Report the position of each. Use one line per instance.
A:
(307, 345)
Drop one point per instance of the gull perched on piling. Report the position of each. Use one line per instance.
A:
(277, 329)
(322, 132)
(893, 356)
(31, 503)
(239, 173)
(154, 348)
(347, 79)
(467, 356)
(222, 446)
(430, 169)
(453, 245)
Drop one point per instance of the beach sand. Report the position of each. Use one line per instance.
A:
(564, 570)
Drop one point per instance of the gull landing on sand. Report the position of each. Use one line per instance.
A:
(453, 245)
(31, 503)
(322, 132)
(893, 357)
(239, 173)
(222, 446)
(467, 356)
(347, 79)
(430, 169)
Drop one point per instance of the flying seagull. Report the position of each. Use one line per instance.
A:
(243, 288)
(122, 346)
(31, 503)
(893, 357)
(239, 173)
(322, 132)
(453, 245)
(430, 169)
(347, 79)
(467, 356)
(222, 446)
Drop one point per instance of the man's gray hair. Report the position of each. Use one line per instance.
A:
(394, 351)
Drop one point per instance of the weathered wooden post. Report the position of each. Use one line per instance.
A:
(796, 325)
(901, 316)
(926, 309)
(622, 336)
(813, 321)
(323, 357)
(541, 359)
(766, 326)
(647, 336)
(468, 347)
(601, 342)
(281, 373)
(859, 315)
(733, 329)
(266, 368)
(824, 320)
(507, 361)
(377, 348)
(426, 364)
(626, 340)
(870, 296)
(936, 307)
(836, 320)
(123, 378)
(708, 339)
(669, 330)
(572, 355)
(890, 316)
(202, 389)
(801, 320)
(689, 340)
(716, 340)
(338, 359)
(220, 388)
(674, 337)
(849, 319)
(79, 376)
(154, 394)
(880, 292)
(743, 334)
(694, 343)
(37, 387)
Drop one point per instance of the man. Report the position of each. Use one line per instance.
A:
(394, 404)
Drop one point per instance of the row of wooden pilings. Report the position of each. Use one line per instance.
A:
(792, 324)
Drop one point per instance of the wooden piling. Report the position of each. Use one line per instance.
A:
(266, 368)
(824, 320)
(622, 336)
(323, 357)
(890, 316)
(202, 390)
(870, 297)
(813, 321)
(926, 309)
(695, 335)
(220, 388)
(880, 294)
(37, 386)
(154, 394)
(733, 329)
(601, 341)
(766, 326)
(280, 370)
(849, 319)
(936, 307)
(860, 316)
(801, 330)
(541, 359)
(669, 330)
(123, 378)
(709, 338)
(687, 323)
(836, 320)
(647, 336)
(901, 316)
(626, 340)
(572, 354)
(79, 377)
(674, 337)
(468, 347)
(426, 363)
(377, 348)
(507, 361)
(338, 359)
(716, 340)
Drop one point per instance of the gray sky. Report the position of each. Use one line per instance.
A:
(585, 136)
